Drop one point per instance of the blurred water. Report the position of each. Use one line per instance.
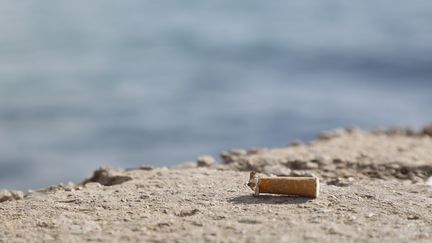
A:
(85, 83)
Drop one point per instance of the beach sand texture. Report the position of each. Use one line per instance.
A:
(373, 188)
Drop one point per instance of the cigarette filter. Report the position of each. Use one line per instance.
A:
(300, 186)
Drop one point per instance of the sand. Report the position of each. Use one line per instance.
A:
(373, 188)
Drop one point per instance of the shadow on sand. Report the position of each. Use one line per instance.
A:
(268, 199)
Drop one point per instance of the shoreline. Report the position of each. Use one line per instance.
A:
(374, 187)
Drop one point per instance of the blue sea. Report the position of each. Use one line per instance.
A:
(125, 83)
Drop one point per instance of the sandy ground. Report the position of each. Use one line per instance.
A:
(373, 188)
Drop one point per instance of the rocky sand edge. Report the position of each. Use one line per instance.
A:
(374, 188)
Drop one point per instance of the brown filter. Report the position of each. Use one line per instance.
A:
(300, 186)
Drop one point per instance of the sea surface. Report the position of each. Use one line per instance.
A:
(125, 83)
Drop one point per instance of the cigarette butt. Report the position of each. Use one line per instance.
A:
(300, 186)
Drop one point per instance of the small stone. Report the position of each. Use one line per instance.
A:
(238, 152)
(249, 221)
(331, 134)
(44, 224)
(93, 185)
(146, 167)
(9, 195)
(187, 212)
(227, 158)
(197, 224)
(321, 160)
(69, 187)
(205, 161)
(108, 177)
(253, 151)
(412, 217)
(164, 223)
(311, 165)
(340, 182)
(301, 165)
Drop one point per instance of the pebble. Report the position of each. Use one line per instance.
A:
(9, 195)
(237, 152)
(164, 223)
(197, 224)
(205, 161)
(322, 160)
(340, 182)
(253, 151)
(331, 134)
(249, 221)
(412, 217)
(108, 177)
(302, 165)
(146, 167)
